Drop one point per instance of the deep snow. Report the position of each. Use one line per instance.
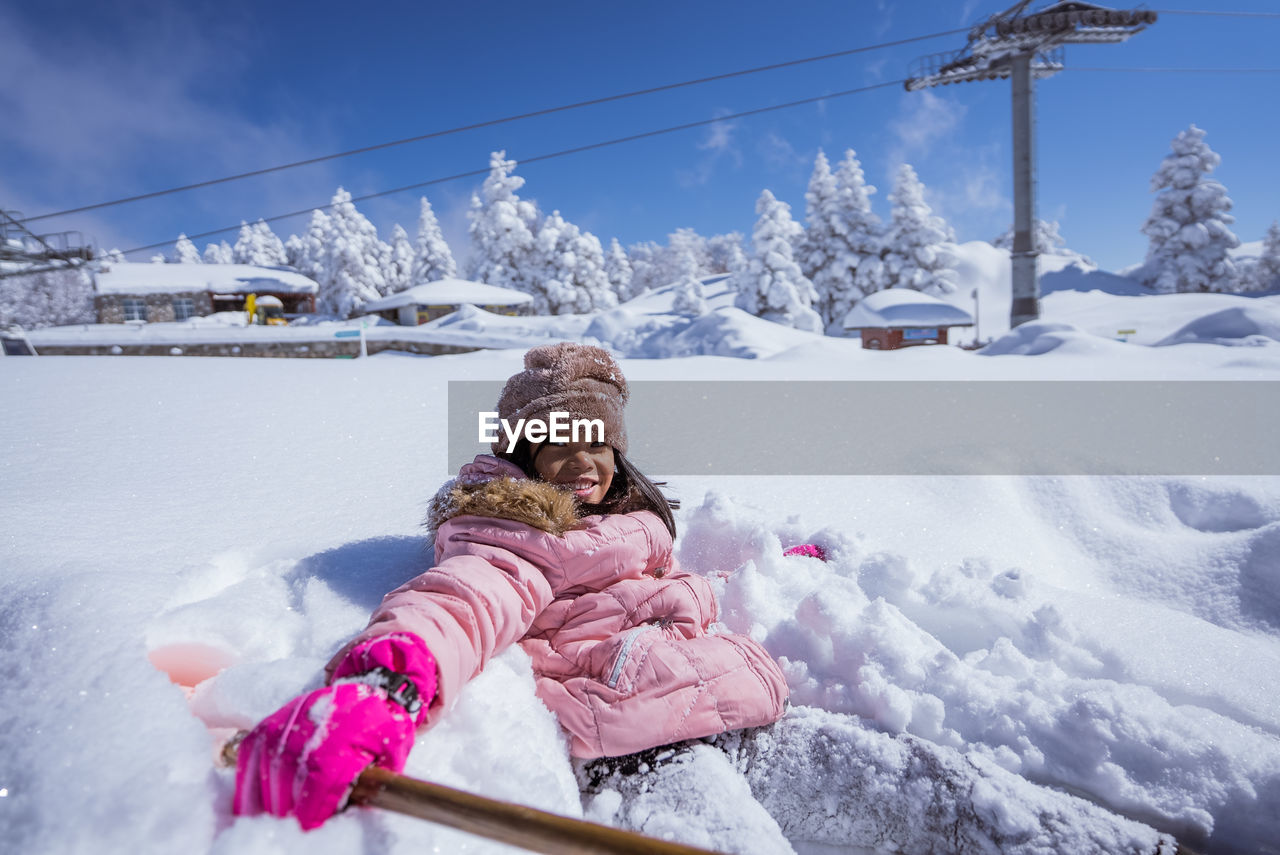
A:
(1117, 637)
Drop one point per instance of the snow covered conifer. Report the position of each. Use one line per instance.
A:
(398, 274)
(688, 298)
(568, 276)
(432, 258)
(257, 244)
(617, 269)
(842, 231)
(685, 244)
(308, 253)
(646, 274)
(772, 285)
(725, 253)
(917, 249)
(354, 260)
(1188, 226)
(53, 298)
(246, 249)
(272, 248)
(217, 253)
(1263, 274)
(654, 266)
(185, 252)
(503, 228)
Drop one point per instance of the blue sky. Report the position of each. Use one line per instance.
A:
(110, 99)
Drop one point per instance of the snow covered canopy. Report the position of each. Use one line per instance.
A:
(450, 292)
(139, 279)
(902, 308)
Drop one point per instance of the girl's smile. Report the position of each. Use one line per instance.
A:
(586, 468)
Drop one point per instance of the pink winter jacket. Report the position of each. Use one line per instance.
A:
(622, 640)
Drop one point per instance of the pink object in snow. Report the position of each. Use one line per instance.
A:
(303, 759)
(809, 550)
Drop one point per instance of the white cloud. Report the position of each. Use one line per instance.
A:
(719, 138)
(779, 152)
(924, 120)
(971, 195)
(885, 8)
(719, 145)
(102, 115)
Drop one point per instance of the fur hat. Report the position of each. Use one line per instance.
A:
(578, 379)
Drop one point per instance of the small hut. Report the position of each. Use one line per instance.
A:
(901, 317)
(431, 300)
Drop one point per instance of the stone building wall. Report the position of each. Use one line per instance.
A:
(159, 307)
(326, 349)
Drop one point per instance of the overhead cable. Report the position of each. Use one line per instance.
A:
(491, 122)
(1176, 69)
(1222, 14)
(562, 153)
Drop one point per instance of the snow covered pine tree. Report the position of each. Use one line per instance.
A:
(772, 286)
(1189, 222)
(185, 252)
(503, 228)
(842, 231)
(432, 258)
(916, 251)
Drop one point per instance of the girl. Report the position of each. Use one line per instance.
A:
(566, 549)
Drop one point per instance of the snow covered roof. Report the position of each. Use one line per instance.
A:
(450, 292)
(900, 308)
(122, 277)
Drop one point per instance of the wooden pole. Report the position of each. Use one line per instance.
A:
(518, 825)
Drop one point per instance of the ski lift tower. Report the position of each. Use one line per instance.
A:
(1025, 47)
(26, 252)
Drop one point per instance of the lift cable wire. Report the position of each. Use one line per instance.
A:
(1222, 14)
(536, 158)
(1176, 69)
(490, 123)
(633, 137)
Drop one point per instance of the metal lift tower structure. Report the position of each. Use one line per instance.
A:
(1025, 47)
(22, 252)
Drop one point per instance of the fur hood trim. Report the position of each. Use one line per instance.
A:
(534, 503)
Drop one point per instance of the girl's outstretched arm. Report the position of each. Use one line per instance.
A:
(480, 598)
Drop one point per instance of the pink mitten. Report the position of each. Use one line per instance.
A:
(809, 550)
(304, 758)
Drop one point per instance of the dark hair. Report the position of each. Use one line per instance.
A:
(629, 491)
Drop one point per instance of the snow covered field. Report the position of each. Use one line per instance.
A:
(1117, 637)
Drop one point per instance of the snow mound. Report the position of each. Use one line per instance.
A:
(1240, 325)
(996, 663)
(726, 331)
(1040, 337)
(486, 329)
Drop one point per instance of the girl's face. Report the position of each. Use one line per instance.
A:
(586, 467)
